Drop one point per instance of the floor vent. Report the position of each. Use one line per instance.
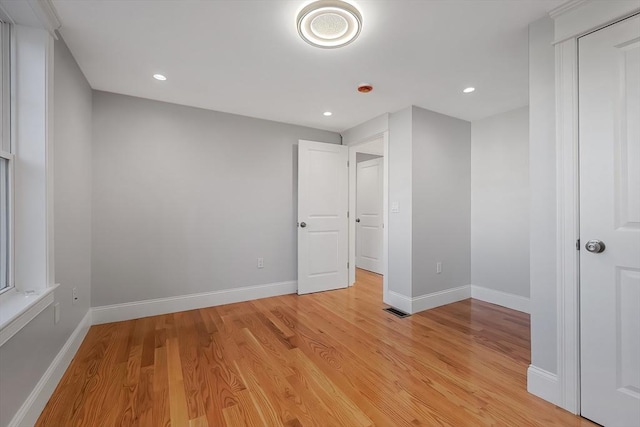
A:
(396, 312)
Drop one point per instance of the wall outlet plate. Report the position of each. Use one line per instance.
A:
(56, 313)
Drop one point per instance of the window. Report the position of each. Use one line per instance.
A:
(6, 162)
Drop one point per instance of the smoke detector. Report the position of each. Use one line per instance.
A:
(365, 88)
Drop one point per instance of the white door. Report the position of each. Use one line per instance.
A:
(609, 88)
(369, 215)
(323, 184)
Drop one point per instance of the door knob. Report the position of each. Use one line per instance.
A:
(303, 224)
(595, 246)
(357, 219)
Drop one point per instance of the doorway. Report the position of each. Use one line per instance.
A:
(369, 212)
(368, 200)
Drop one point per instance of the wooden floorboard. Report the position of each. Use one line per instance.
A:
(326, 359)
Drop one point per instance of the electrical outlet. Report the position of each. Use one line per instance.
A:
(56, 313)
(260, 262)
(74, 295)
(438, 267)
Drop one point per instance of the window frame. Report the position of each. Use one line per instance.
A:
(6, 147)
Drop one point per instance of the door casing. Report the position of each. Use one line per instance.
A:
(587, 17)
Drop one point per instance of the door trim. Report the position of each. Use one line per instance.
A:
(353, 149)
(568, 193)
(567, 231)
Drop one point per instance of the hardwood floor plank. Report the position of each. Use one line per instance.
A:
(161, 398)
(327, 359)
(343, 408)
(191, 375)
(245, 413)
(177, 397)
(258, 396)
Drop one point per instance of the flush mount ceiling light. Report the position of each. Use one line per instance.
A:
(329, 23)
(469, 90)
(159, 77)
(327, 113)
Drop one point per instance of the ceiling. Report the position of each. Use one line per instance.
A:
(245, 56)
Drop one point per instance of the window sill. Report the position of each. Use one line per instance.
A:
(17, 310)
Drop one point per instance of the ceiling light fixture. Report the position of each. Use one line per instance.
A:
(327, 113)
(329, 23)
(469, 89)
(159, 77)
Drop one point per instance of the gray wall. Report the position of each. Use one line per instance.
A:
(542, 178)
(26, 356)
(185, 200)
(400, 182)
(441, 202)
(363, 157)
(500, 202)
(366, 130)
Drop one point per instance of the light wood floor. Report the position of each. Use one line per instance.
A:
(327, 359)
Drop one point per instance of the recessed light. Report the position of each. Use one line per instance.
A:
(469, 89)
(327, 113)
(159, 77)
(329, 23)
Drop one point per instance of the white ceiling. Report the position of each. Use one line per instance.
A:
(245, 56)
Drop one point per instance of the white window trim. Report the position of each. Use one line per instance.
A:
(31, 117)
(18, 309)
(10, 264)
(6, 110)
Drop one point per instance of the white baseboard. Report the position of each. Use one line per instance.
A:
(426, 302)
(543, 384)
(31, 409)
(514, 302)
(436, 299)
(154, 307)
(399, 301)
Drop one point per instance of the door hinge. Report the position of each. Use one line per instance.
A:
(347, 265)
(578, 245)
(347, 163)
(347, 214)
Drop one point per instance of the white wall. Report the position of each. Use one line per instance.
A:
(500, 202)
(429, 179)
(363, 157)
(400, 184)
(26, 356)
(185, 199)
(366, 130)
(441, 202)
(72, 184)
(542, 181)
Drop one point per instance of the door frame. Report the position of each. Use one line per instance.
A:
(572, 21)
(353, 149)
